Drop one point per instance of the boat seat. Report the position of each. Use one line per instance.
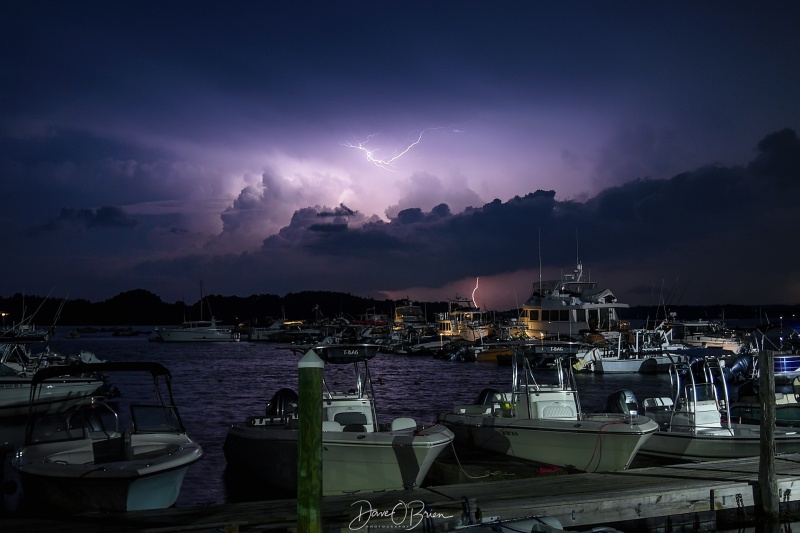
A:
(330, 425)
(355, 428)
(403, 423)
(558, 411)
(346, 418)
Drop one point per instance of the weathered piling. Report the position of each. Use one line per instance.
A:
(309, 442)
(767, 481)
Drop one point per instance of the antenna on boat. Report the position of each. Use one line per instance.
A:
(540, 260)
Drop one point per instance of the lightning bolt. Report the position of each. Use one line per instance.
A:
(475, 289)
(385, 164)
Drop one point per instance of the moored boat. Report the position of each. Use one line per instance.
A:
(691, 421)
(360, 454)
(545, 423)
(569, 307)
(18, 364)
(94, 457)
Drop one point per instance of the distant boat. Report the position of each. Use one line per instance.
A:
(463, 320)
(409, 315)
(198, 330)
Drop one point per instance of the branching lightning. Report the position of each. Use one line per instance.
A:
(387, 164)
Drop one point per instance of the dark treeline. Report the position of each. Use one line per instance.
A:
(141, 307)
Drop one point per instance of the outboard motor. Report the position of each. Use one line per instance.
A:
(283, 404)
(623, 401)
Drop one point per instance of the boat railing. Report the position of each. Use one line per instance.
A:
(695, 398)
(524, 382)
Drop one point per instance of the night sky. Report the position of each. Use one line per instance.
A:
(401, 149)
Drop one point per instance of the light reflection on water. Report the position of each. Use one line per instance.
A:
(218, 384)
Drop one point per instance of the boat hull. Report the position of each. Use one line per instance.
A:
(743, 440)
(352, 462)
(16, 401)
(196, 335)
(595, 444)
(60, 478)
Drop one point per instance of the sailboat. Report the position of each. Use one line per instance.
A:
(198, 330)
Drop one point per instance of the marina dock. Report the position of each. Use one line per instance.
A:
(688, 497)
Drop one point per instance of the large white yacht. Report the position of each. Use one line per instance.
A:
(568, 306)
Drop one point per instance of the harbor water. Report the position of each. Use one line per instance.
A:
(217, 384)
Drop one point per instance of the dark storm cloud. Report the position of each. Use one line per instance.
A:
(708, 226)
(82, 219)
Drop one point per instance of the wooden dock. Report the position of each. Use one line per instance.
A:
(690, 497)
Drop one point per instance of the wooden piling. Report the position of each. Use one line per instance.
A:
(767, 482)
(309, 444)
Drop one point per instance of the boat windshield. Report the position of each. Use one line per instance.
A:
(702, 392)
(155, 419)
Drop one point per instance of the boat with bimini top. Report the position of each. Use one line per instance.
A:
(96, 456)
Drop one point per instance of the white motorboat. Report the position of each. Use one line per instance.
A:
(359, 453)
(709, 334)
(545, 423)
(635, 351)
(570, 306)
(88, 458)
(691, 422)
(18, 365)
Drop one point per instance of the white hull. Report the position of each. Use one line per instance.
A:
(351, 461)
(743, 440)
(99, 456)
(178, 334)
(595, 444)
(644, 364)
(15, 395)
(71, 479)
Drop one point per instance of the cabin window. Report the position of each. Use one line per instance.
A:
(580, 315)
(534, 314)
(555, 315)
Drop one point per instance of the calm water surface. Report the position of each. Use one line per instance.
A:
(218, 384)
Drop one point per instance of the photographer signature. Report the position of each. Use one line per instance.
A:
(405, 515)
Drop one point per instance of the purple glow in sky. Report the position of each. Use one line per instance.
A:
(400, 148)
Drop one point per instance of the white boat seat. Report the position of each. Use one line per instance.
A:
(346, 418)
(558, 411)
(403, 423)
(330, 425)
